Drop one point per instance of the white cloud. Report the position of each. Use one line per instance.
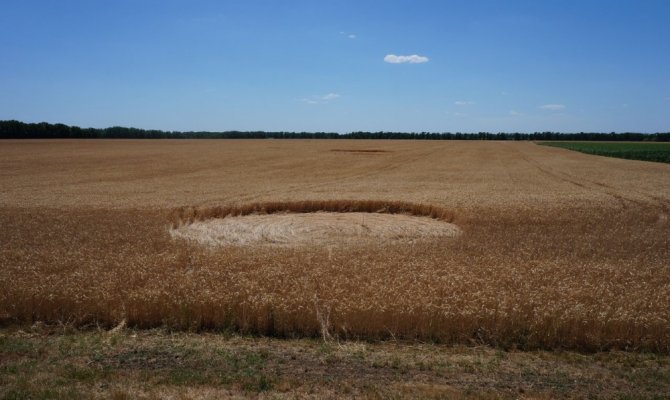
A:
(321, 99)
(464, 103)
(553, 107)
(413, 59)
(515, 113)
(330, 96)
(351, 36)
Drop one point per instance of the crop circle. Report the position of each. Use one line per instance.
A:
(313, 223)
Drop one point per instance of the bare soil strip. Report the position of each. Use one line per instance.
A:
(361, 150)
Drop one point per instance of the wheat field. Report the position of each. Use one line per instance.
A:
(555, 249)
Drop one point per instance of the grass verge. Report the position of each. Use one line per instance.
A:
(41, 363)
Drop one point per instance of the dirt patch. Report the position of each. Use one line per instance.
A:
(361, 151)
(299, 229)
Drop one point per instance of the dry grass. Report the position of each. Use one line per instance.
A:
(559, 249)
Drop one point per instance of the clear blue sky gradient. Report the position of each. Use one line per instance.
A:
(319, 65)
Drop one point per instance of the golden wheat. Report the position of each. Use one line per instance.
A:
(558, 249)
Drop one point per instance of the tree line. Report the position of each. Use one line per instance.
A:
(13, 129)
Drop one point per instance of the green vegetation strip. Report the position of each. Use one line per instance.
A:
(659, 152)
(61, 363)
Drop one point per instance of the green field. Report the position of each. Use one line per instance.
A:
(659, 152)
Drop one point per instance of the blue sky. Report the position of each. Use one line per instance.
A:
(338, 65)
